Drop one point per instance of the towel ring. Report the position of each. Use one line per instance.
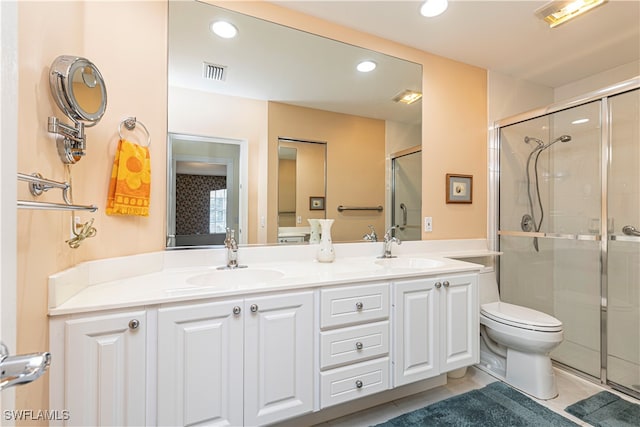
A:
(130, 124)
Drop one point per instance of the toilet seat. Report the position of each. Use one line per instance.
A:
(520, 317)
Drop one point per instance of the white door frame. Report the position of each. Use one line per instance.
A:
(8, 196)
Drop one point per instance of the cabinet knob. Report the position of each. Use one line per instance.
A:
(359, 305)
(359, 345)
(236, 310)
(134, 323)
(359, 384)
(438, 285)
(254, 308)
(445, 283)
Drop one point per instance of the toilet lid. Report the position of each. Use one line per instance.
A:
(521, 317)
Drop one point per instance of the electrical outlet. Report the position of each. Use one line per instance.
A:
(299, 220)
(428, 224)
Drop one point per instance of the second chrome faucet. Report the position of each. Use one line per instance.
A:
(389, 239)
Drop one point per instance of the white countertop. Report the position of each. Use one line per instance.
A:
(181, 275)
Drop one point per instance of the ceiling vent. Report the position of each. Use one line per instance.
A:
(214, 71)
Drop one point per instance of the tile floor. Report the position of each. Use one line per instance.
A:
(570, 387)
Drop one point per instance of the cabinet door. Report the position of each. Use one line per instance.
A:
(105, 369)
(279, 355)
(460, 329)
(200, 351)
(416, 331)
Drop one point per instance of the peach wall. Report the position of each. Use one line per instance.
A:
(355, 159)
(127, 41)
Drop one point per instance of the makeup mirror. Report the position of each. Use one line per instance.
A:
(79, 91)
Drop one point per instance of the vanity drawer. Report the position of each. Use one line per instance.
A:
(354, 304)
(353, 344)
(353, 381)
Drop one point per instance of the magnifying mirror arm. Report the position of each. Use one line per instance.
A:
(73, 145)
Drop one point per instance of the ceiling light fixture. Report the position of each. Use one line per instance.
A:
(224, 29)
(579, 121)
(432, 8)
(366, 66)
(559, 12)
(407, 97)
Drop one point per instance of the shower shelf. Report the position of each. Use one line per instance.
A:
(539, 235)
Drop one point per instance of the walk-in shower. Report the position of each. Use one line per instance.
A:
(406, 193)
(579, 203)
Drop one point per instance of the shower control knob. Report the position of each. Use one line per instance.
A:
(438, 285)
(445, 283)
(134, 324)
(236, 310)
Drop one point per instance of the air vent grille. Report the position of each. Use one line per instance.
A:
(214, 71)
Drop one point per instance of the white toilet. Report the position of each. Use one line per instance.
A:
(516, 341)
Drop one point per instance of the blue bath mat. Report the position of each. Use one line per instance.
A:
(606, 410)
(494, 405)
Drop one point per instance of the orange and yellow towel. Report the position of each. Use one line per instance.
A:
(130, 184)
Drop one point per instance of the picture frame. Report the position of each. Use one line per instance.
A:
(316, 203)
(459, 188)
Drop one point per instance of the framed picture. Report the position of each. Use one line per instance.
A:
(316, 203)
(459, 188)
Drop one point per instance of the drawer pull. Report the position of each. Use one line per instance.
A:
(445, 283)
(359, 384)
(254, 308)
(134, 323)
(359, 306)
(438, 285)
(359, 345)
(236, 310)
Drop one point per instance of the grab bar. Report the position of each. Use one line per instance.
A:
(359, 208)
(630, 230)
(404, 216)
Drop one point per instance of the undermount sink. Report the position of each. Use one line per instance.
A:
(235, 277)
(409, 263)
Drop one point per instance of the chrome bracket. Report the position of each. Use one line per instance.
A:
(71, 141)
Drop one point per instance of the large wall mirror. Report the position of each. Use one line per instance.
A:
(283, 92)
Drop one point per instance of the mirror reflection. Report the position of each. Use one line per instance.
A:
(301, 188)
(272, 83)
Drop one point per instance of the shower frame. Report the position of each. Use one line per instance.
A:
(493, 226)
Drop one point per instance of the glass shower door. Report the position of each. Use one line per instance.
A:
(407, 194)
(623, 248)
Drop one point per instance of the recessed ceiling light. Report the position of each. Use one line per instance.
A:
(579, 121)
(407, 97)
(559, 12)
(366, 66)
(432, 8)
(224, 29)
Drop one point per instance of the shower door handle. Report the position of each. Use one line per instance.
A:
(630, 230)
(404, 216)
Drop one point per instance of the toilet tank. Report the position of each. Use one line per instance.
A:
(487, 283)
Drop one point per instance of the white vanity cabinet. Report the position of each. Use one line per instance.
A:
(436, 326)
(354, 342)
(236, 362)
(98, 370)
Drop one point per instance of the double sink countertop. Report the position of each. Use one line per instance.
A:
(192, 274)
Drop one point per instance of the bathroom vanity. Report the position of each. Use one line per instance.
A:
(172, 342)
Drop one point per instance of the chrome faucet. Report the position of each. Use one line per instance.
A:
(231, 245)
(388, 240)
(21, 369)
(371, 236)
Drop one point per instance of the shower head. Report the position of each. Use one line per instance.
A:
(561, 138)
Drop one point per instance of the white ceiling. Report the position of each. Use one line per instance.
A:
(502, 36)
